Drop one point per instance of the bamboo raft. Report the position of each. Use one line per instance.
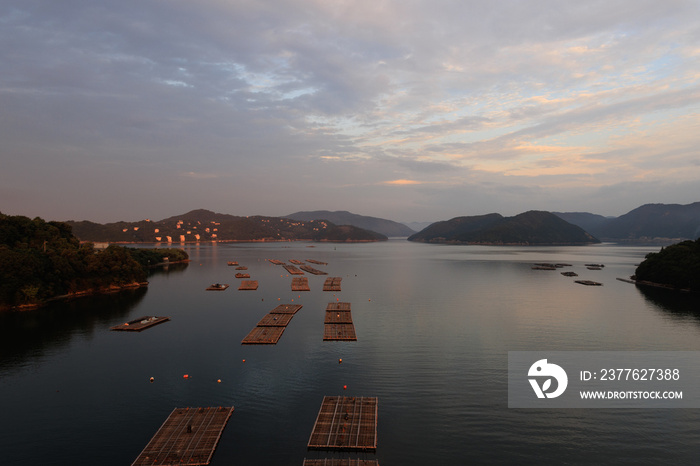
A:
(188, 436)
(275, 261)
(142, 323)
(263, 336)
(286, 309)
(296, 262)
(345, 423)
(242, 275)
(337, 306)
(275, 320)
(241, 267)
(338, 324)
(340, 462)
(248, 285)
(570, 274)
(300, 284)
(332, 284)
(292, 269)
(308, 268)
(217, 287)
(231, 263)
(271, 327)
(588, 282)
(338, 317)
(316, 262)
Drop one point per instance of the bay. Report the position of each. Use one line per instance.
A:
(434, 324)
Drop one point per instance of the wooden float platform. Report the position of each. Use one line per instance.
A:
(345, 423)
(316, 262)
(308, 268)
(296, 262)
(570, 274)
(263, 336)
(217, 287)
(275, 320)
(231, 263)
(248, 285)
(300, 284)
(242, 275)
(142, 323)
(588, 282)
(338, 317)
(292, 269)
(241, 267)
(188, 436)
(275, 261)
(340, 462)
(339, 332)
(286, 309)
(338, 306)
(332, 284)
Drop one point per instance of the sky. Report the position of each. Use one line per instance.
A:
(408, 110)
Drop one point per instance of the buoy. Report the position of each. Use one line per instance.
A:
(340, 360)
(218, 381)
(244, 360)
(152, 379)
(345, 387)
(186, 376)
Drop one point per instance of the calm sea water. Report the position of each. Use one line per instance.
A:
(434, 326)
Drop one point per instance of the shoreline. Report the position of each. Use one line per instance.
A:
(77, 294)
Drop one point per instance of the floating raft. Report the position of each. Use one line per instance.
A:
(316, 262)
(276, 262)
(340, 462)
(263, 336)
(332, 284)
(242, 275)
(271, 327)
(142, 323)
(339, 332)
(588, 282)
(570, 274)
(337, 306)
(308, 268)
(286, 309)
(292, 269)
(188, 436)
(338, 317)
(296, 262)
(241, 267)
(218, 287)
(231, 263)
(345, 423)
(275, 320)
(248, 285)
(300, 284)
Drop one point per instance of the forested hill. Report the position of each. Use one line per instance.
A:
(529, 228)
(41, 260)
(676, 266)
(342, 217)
(204, 225)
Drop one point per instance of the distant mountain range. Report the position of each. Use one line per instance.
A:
(529, 228)
(342, 217)
(646, 223)
(205, 225)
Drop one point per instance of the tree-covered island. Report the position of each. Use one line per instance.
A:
(40, 261)
(676, 266)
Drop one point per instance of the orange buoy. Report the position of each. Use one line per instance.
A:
(152, 379)
(218, 381)
(345, 387)
(244, 360)
(340, 360)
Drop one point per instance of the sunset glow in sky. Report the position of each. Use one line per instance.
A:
(407, 110)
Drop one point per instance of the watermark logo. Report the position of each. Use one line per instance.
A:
(547, 371)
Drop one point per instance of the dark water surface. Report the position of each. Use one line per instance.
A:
(434, 326)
